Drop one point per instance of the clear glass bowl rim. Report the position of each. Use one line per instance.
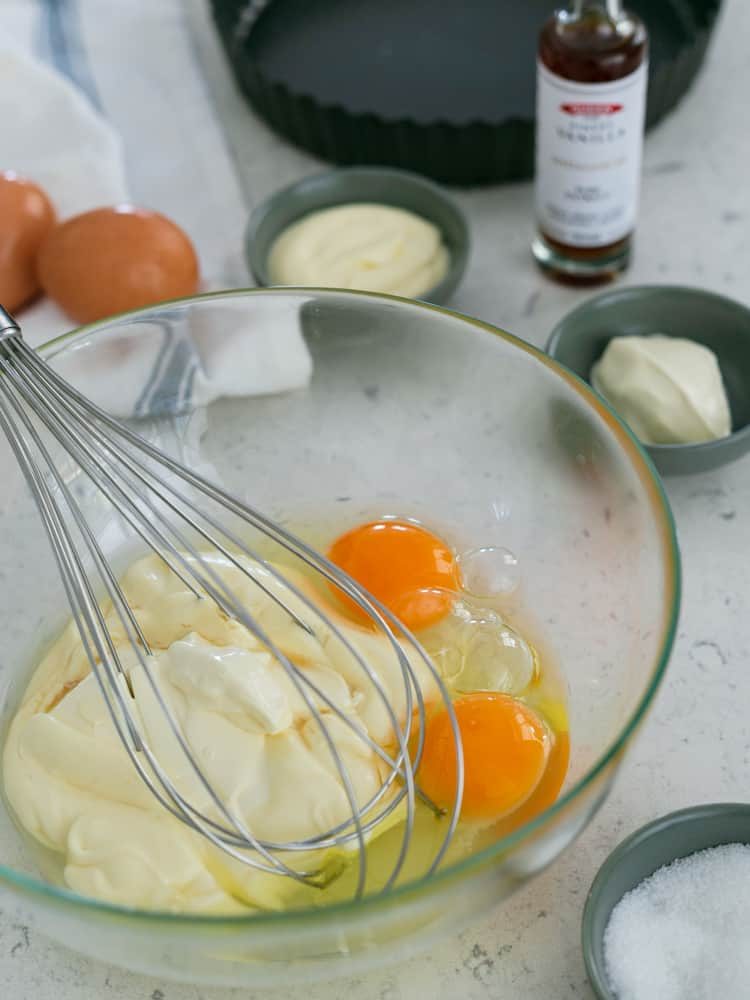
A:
(455, 872)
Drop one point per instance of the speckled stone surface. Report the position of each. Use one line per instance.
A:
(695, 747)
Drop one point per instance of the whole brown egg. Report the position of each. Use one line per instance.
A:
(111, 260)
(26, 216)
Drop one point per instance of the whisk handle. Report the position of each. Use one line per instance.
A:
(8, 326)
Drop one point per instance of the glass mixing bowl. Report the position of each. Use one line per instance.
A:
(411, 410)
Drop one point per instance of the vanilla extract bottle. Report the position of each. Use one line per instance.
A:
(591, 95)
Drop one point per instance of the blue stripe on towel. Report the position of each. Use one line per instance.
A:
(143, 405)
(168, 389)
(187, 385)
(168, 397)
(62, 45)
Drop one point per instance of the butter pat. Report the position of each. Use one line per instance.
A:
(668, 389)
(371, 247)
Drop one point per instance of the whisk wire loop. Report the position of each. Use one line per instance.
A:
(147, 489)
(103, 655)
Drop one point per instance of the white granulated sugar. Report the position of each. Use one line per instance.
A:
(684, 932)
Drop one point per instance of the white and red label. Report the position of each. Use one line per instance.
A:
(589, 142)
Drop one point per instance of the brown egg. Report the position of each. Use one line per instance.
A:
(26, 216)
(111, 260)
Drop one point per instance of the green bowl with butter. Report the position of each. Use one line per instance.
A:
(372, 186)
(715, 321)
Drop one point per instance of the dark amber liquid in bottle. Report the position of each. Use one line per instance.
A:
(593, 43)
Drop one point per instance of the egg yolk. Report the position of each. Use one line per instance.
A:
(506, 747)
(406, 567)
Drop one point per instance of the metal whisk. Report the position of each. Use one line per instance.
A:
(150, 492)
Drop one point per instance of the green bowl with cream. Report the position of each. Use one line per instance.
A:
(580, 340)
(364, 228)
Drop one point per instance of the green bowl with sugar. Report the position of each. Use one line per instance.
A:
(676, 835)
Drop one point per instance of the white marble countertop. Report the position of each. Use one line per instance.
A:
(694, 229)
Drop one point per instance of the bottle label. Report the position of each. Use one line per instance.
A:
(589, 140)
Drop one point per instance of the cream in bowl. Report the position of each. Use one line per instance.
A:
(366, 246)
(361, 228)
(263, 746)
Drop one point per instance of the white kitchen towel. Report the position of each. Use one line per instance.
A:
(51, 134)
(223, 348)
(136, 62)
(90, 92)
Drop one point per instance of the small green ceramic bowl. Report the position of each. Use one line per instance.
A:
(352, 184)
(580, 338)
(659, 843)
